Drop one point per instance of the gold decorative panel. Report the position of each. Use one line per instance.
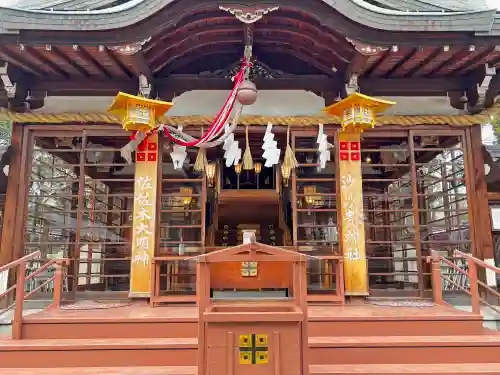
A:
(249, 269)
(253, 349)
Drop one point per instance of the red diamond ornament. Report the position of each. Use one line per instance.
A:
(344, 146)
(152, 156)
(355, 146)
(140, 156)
(344, 156)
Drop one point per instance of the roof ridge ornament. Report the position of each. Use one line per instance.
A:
(248, 14)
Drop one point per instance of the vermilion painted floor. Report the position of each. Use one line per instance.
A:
(142, 311)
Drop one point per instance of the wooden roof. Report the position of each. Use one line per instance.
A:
(187, 44)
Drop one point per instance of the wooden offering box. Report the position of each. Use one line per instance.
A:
(254, 336)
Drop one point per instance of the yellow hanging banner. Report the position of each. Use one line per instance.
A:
(144, 216)
(351, 209)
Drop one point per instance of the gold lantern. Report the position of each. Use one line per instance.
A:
(358, 111)
(313, 199)
(186, 193)
(237, 168)
(138, 113)
(285, 174)
(210, 169)
(258, 167)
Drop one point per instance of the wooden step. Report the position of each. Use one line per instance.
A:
(146, 370)
(432, 369)
(411, 327)
(404, 349)
(427, 369)
(98, 352)
(103, 329)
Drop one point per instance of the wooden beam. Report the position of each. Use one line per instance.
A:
(315, 83)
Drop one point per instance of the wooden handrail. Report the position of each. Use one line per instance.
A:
(479, 262)
(24, 259)
(19, 286)
(471, 273)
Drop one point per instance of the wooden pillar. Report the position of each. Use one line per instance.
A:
(7, 247)
(481, 235)
(483, 248)
(144, 217)
(352, 236)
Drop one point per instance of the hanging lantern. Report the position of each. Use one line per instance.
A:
(210, 169)
(138, 113)
(358, 111)
(313, 199)
(187, 198)
(237, 168)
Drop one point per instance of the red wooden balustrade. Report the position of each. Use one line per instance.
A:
(471, 273)
(19, 266)
(156, 298)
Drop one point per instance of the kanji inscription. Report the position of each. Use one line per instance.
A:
(351, 203)
(143, 238)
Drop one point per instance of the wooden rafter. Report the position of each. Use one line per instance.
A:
(458, 55)
(230, 41)
(307, 58)
(118, 63)
(71, 64)
(434, 52)
(89, 59)
(200, 54)
(383, 56)
(478, 59)
(392, 71)
(20, 62)
(34, 54)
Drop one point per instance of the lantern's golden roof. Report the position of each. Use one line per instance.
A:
(377, 105)
(124, 100)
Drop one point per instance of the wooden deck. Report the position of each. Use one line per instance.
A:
(140, 311)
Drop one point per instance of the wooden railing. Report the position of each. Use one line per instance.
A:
(470, 273)
(19, 267)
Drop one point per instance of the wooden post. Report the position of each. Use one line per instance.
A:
(58, 283)
(474, 288)
(437, 285)
(144, 217)
(352, 236)
(17, 323)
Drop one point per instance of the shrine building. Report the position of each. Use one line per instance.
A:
(179, 171)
